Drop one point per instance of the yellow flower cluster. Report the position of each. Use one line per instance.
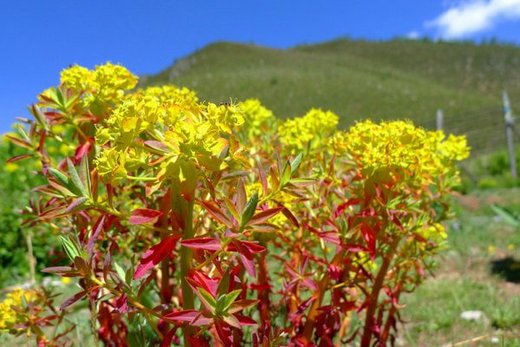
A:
(15, 299)
(307, 132)
(258, 120)
(106, 83)
(399, 149)
(177, 126)
(436, 233)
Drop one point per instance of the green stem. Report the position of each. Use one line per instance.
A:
(184, 208)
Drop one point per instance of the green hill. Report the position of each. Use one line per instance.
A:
(364, 79)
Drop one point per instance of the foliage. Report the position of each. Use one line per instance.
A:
(185, 217)
(17, 178)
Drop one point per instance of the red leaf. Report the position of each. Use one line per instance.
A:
(291, 217)
(19, 157)
(370, 238)
(250, 247)
(249, 265)
(205, 243)
(199, 279)
(342, 207)
(72, 299)
(192, 317)
(354, 247)
(82, 150)
(144, 216)
(98, 227)
(329, 236)
(122, 304)
(57, 269)
(168, 337)
(217, 213)
(265, 215)
(239, 305)
(154, 255)
(245, 321)
(76, 203)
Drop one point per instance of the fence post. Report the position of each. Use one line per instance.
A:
(439, 118)
(509, 121)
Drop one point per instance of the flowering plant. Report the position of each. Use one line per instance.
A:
(203, 224)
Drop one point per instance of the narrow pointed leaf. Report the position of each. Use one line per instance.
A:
(155, 255)
(74, 177)
(249, 210)
(295, 164)
(205, 243)
(144, 216)
(263, 216)
(217, 213)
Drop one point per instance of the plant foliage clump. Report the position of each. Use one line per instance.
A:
(192, 223)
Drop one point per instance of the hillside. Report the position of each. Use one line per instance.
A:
(362, 79)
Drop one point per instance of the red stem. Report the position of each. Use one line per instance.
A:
(374, 296)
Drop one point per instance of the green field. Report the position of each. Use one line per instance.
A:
(364, 79)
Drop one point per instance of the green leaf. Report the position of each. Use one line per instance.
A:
(60, 176)
(295, 164)
(120, 272)
(23, 133)
(84, 175)
(76, 180)
(70, 248)
(59, 98)
(40, 118)
(286, 174)
(207, 299)
(249, 210)
(506, 215)
(225, 301)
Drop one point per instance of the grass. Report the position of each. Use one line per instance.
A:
(471, 277)
(364, 79)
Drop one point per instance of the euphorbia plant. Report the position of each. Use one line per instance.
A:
(220, 225)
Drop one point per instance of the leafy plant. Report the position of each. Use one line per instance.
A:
(220, 225)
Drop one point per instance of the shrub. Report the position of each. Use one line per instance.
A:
(220, 225)
(17, 180)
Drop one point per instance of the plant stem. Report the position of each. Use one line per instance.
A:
(185, 209)
(30, 257)
(374, 295)
(322, 286)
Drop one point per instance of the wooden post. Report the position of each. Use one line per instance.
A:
(439, 119)
(509, 121)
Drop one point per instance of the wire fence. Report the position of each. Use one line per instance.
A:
(484, 128)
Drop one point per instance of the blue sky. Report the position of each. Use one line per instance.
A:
(39, 38)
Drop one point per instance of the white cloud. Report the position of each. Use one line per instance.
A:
(413, 35)
(470, 17)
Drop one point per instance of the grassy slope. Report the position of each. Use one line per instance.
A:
(359, 79)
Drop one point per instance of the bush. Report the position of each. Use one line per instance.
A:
(220, 225)
(17, 180)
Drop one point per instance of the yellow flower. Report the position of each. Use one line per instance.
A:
(9, 317)
(65, 280)
(307, 132)
(11, 167)
(400, 150)
(258, 119)
(167, 122)
(105, 84)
